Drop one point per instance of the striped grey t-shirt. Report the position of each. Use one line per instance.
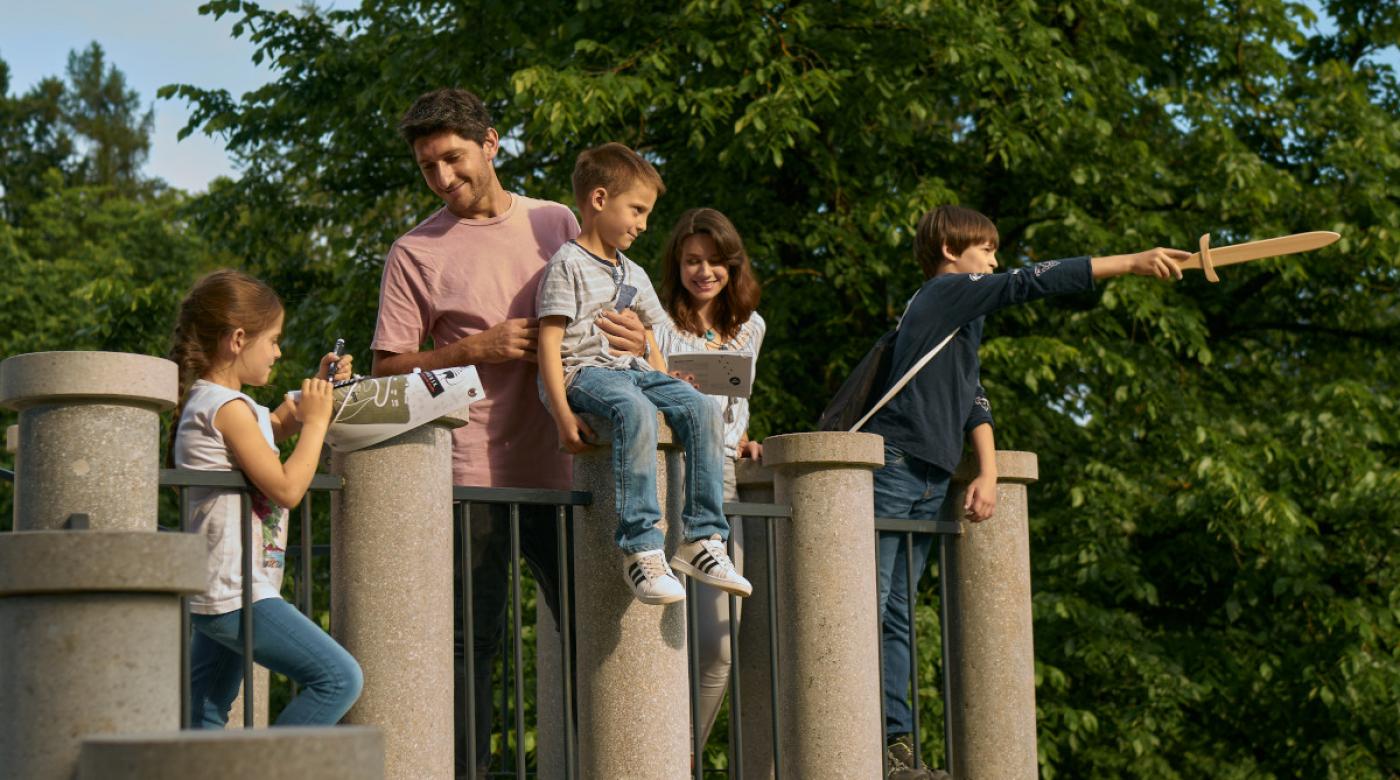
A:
(581, 285)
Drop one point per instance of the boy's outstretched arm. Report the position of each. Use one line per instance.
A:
(1159, 262)
(981, 499)
(573, 432)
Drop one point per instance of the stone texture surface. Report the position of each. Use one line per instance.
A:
(117, 377)
(391, 593)
(34, 562)
(828, 684)
(74, 663)
(633, 680)
(755, 672)
(991, 654)
(262, 685)
(89, 436)
(341, 753)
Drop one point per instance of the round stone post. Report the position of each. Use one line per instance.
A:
(89, 436)
(828, 680)
(633, 680)
(990, 657)
(344, 753)
(89, 640)
(755, 653)
(391, 592)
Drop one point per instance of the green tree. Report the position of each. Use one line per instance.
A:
(1215, 528)
(101, 109)
(33, 139)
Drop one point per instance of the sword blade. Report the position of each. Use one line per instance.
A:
(1268, 247)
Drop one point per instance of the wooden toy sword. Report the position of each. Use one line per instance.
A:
(1207, 259)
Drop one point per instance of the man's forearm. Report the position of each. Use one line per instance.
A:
(985, 448)
(458, 353)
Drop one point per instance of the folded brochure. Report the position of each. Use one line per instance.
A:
(716, 373)
(369, 410)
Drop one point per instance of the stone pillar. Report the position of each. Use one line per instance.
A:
(343, 753)
(391, 592)
(828, 680)
(755, 653)
(990, 657)
(89, 436)
(633, 679)
(89, 640)
(549, 696)
(262, 685)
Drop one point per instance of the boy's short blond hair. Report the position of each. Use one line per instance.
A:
(615, 168)
(954, 226)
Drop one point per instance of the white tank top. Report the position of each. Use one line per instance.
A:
(214, 512)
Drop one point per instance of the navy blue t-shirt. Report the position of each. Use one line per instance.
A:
(929, 418)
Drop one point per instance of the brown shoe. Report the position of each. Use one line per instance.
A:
(900, 762)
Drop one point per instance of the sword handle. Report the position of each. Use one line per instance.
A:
(1206, 264)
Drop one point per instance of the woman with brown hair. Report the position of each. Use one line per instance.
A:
(710, 293)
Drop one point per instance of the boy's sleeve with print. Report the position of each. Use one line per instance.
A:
(981, 410)
(557, 295)
(966, 297)
(405, 305)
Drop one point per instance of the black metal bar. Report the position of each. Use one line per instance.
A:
(773, 648)
(234, 479)
(317, 550)
(910, 593)
(736, 731)
(943, 631)
(941, 527)
(753, 509)
(468, 634)
(7, 476)
(880, 656)
(518, 642)
(692, 627)
(501, 495)
(186, 711)
(307, 596)
(246, 518)
(561, 531)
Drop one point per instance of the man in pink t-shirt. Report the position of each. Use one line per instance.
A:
(464, 279)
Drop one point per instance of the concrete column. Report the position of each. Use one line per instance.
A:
(633, 680)
(89, 436)
(89, 640)
(343, 753)
(990, 657)
(262, 685)
(391, 592)
(828, 680)
(755, 652)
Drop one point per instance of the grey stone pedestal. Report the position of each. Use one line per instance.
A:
(340, 753)
(89, 640)
(89, 436)
(828, 675)
(391, 593)
(990, 657)
(633, 692)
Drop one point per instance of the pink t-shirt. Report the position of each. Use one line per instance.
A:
(449, 278)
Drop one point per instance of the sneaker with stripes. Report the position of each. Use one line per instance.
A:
(651, 579)
(707, 562)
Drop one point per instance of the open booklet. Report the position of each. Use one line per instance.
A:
(716, 373)
(369, 410)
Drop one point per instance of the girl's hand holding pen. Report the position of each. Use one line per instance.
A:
(344, 366)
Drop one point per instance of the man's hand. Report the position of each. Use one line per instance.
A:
(574, 434)
(515, 339)
(624, 332)
(981, 498)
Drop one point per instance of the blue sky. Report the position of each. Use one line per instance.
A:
(154, 42)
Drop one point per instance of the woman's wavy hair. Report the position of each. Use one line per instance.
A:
(740, 295)
(218, 304)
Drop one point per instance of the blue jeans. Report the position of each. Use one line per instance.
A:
(630, 400)
(285, 641)
(906, 488)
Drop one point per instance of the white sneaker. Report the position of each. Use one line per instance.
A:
(651, 579)
(707, 562)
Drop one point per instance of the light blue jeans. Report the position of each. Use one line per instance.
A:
(285, 641)
(906, 488)
(630, 400)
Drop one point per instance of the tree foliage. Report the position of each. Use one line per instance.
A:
(1215, 530)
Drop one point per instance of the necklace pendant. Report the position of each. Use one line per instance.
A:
(710, 335)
